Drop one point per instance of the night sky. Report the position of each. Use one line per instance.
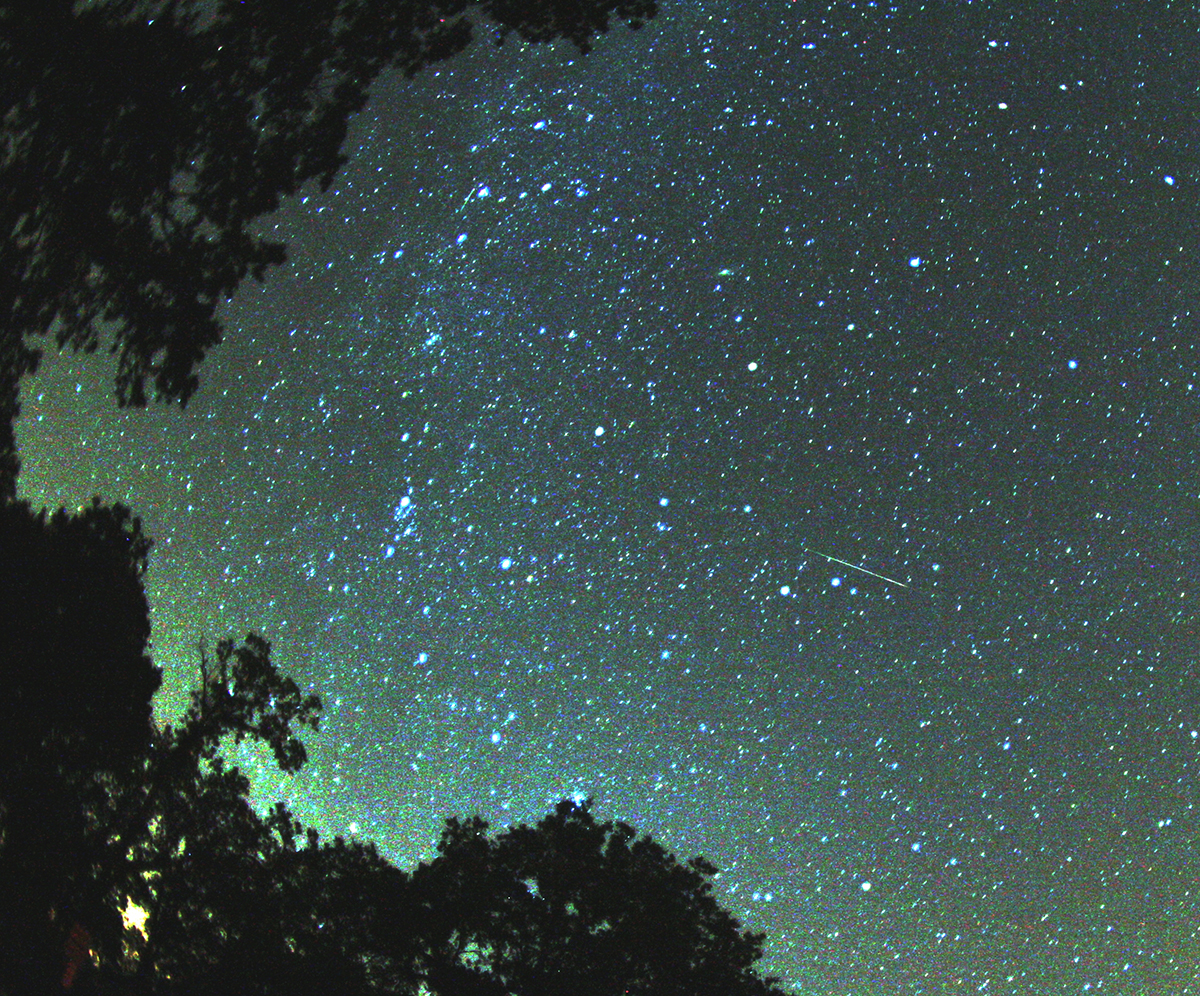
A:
(534, 459)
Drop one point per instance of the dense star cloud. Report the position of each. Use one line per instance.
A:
(533, 459)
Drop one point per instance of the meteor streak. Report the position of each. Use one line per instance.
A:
(855, 567)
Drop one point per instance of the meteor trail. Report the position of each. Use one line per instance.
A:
(855, 567)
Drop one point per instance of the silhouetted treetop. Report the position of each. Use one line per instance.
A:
(243, 694)
(232, 900)
(573, 906)
(141, 140)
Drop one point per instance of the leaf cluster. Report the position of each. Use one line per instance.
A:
(243, 694)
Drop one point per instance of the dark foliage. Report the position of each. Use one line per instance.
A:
(100, 808)
(183, 842)
(76, 626)
(94, 797)
(570, 906)
(75, 708)
(577, 907)
(140, 140)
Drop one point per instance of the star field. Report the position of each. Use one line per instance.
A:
(532, 459)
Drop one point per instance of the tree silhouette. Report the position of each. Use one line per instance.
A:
(101, 811)
(181, 839)
(577, 907)
(75, 708)
(570, 906)
(98, 807)
(142, 138)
